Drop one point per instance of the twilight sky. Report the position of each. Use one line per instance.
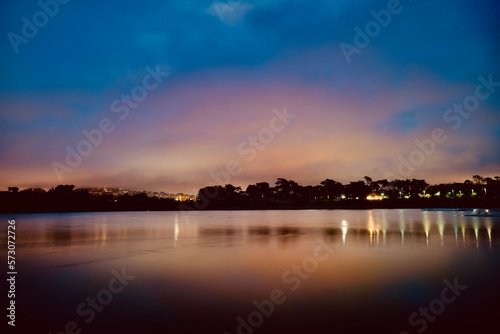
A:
(180, 94)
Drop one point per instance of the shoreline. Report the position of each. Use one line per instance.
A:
(464, 205)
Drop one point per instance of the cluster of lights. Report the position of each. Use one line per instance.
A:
(374, 197)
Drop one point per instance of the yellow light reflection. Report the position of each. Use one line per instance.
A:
(402, 230)
(441, 230)
(344, 225)
(427, 227)
(371, 226)
(384, 226)
(455, 230)
(488, 229)
(462, 227)
(475, 225)
(406, 225)
(104, 232)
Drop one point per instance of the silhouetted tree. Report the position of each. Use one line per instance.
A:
(417, 187)
(210, 192)
(34, 190)
(493, 187)
(63, 189)
(285, 194)
(368, 181)
(231, 192)
(478, 179)
(332, 189)
(357, 190)
(284, 188)
(259, 190)
(381, 186)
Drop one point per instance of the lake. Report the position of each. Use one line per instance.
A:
(306, 271)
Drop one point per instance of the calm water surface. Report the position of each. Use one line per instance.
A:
(313, 271)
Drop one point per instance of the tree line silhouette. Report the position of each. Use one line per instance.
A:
(333, 194)
(285, 194)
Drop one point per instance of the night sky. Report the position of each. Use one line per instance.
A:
(176, 95)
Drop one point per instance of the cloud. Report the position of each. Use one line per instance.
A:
(228, 76)
(192, 127)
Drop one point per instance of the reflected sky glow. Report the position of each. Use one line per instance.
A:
(235, 257)
(379, 229)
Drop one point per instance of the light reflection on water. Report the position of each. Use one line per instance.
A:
(235, 257)
(354, 228)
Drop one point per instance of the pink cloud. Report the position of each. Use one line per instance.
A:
(193, 126)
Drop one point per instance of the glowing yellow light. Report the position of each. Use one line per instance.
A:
(374, 197)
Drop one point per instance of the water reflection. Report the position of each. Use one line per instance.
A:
(488, 229)
(176, 230)
(286, 230)
(427, 226)
(210, 232)
(220, 262)
(259, 231)
(378, 228)
(344, 227)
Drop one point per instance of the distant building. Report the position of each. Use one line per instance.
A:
(120, 192)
